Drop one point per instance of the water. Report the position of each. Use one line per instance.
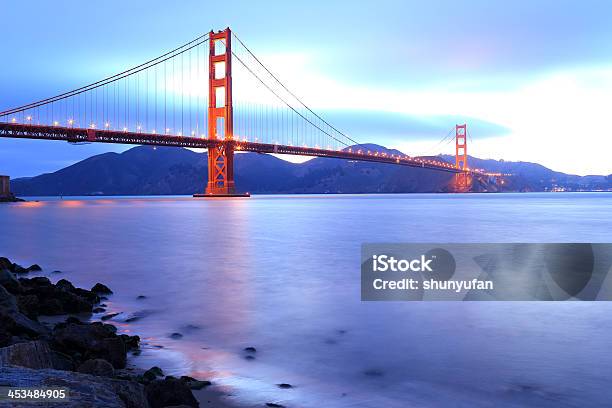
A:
(281, 273)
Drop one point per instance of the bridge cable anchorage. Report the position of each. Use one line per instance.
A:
(103, 81)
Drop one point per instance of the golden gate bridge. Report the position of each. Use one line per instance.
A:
(247, 108)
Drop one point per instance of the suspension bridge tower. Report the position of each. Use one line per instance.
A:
(220, 118)
(463, 181)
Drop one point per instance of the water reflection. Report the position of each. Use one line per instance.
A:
(282, 274)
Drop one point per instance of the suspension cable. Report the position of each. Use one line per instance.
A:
(108, 79)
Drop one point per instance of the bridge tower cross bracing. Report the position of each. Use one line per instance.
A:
(461, 158)
(220, 117)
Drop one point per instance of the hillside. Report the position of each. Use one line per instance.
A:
(146, 170)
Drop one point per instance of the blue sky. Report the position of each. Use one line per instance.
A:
(532, 79)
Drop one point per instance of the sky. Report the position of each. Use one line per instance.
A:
(532, 79)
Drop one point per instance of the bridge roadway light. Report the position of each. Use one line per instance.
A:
(55, 123)
(70, 121)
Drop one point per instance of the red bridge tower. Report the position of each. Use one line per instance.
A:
(463, 181)
(220, 118)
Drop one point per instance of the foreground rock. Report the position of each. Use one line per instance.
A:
(81, 356)
(85, 390)
(169, 392)
(85, 341)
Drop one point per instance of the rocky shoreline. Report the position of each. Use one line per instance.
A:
(88, 358)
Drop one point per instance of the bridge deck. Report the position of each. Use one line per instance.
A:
(79, 135)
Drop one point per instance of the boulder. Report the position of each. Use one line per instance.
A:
(168, 392)
(5, 263)
(195, 384)
(101, 289)
(97, 366)
(152, 373)
(15, 268)
(85, 390)
(13, 321)
(65, 284)
(93, 340)
(32, 354)
(9, 281)
(60, 298)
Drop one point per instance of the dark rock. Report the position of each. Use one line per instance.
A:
(60, 298)
(249, 357)
(34, 268)
(176, 336)
(140, 297)
(169, 391)
(56, 272)
(101, 289)
(98, 310)
(15, 268)
(97, 366)
(195, 384)
(9, 281)
(29, 305)
(33, 354)
(94, 340)
(65, 285)
(5, 263)
(284, 385)
(39, 281)
(87, 294)
(274, 405)
(61, 361)
(131, 342)
(152, 373)
(103, 298)
(13, 321)
(51, 307)
(250, 349)
(85, 390)
(108, 316)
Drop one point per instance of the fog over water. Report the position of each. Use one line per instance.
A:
(282, 274)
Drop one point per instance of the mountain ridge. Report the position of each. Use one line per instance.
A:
(146, 170)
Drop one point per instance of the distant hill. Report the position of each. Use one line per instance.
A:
(145, 170)
(535, 177)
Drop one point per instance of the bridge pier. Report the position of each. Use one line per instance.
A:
(220, 118)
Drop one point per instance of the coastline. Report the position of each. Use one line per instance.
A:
(48, 337)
